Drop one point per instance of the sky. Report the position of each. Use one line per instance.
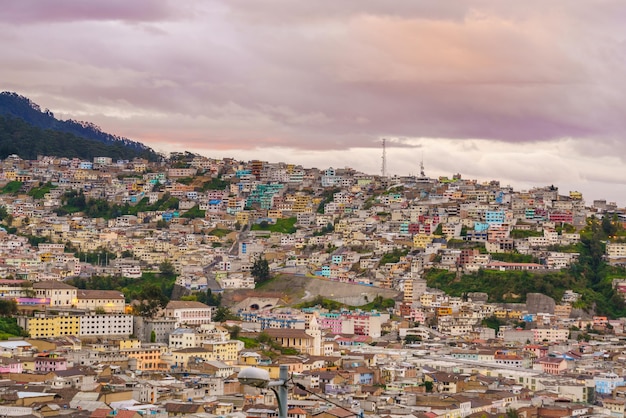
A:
(530, 93)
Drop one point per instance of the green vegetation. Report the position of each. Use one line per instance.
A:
(8, 307)
(249, 343)
(10, 329)
(261, 271)
(27, 141)
(74, 201)
(40, 191)
(394, 256)
(322, 302)
(492, 322)
(11, 187)
(96, 257)
(329, 228)
(514, 258)
(214, 184)
(591, 276)
(185, 180)
(520, 233)
(502, 286)
(220, 233)
(131, 288)
(379, 304)
(193, 213)
(327, 196)
(284, 226)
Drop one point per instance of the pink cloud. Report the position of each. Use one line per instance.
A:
(42, 11)
(327, 75)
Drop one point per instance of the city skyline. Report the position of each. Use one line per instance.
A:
(526, 95)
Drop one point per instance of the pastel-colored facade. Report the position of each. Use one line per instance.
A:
(50, 326)
(109, 301)
(606, 383)
(552, 365)
(59, 293)
(146, 358)
(188, 312)
(10, 365)
(50, 364)
(98, 325)
(552, 335)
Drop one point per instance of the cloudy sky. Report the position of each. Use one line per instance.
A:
(530, 93)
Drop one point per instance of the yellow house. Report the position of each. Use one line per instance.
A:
(46, 257)
(148, 359)
(301, 203)
(500, 313)
(444, 311)
(225, 351)
(275, 213)
(129, 343)
(10, 174)
(243, 217)
(422, 240)
(180, 358)
(50, 326)
(28, 364)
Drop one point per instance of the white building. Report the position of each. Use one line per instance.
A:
(59, 293)
(92, 325)
(111, 301)
(188, 312)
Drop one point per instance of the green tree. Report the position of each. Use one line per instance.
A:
(429, 386)
(151, 300)
(260, 270)
(224, 314)
(152, 336)
(8, 307)
(167, 269)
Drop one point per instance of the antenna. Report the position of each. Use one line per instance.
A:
(384, 167)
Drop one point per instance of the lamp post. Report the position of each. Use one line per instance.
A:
(260, 378)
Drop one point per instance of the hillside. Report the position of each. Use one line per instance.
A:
(295, 289)
(591, 276)
(23, 122)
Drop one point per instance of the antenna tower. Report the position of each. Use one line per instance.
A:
(384, 167)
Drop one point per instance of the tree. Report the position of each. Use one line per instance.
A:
(260, 270)
(410, 339)
(8, 307)
(429, 386)
(234, 332)
(224, 314)
(152, 336)
(151, 301)
(167, 269)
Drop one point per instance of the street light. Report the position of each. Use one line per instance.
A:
(260, 378)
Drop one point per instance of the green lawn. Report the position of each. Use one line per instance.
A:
(284, 226)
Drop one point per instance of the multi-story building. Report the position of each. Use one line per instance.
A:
(46, 326)
(97, 325)
(109, 301)
(188, 312)
(59, 293)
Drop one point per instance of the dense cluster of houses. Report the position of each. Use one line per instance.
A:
(428, 355)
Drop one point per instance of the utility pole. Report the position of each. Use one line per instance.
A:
(384, 158)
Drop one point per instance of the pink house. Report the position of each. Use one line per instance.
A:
(10, 365)
(552, 365)
(50, 364)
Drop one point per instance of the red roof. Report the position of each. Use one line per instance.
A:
(100, 413)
